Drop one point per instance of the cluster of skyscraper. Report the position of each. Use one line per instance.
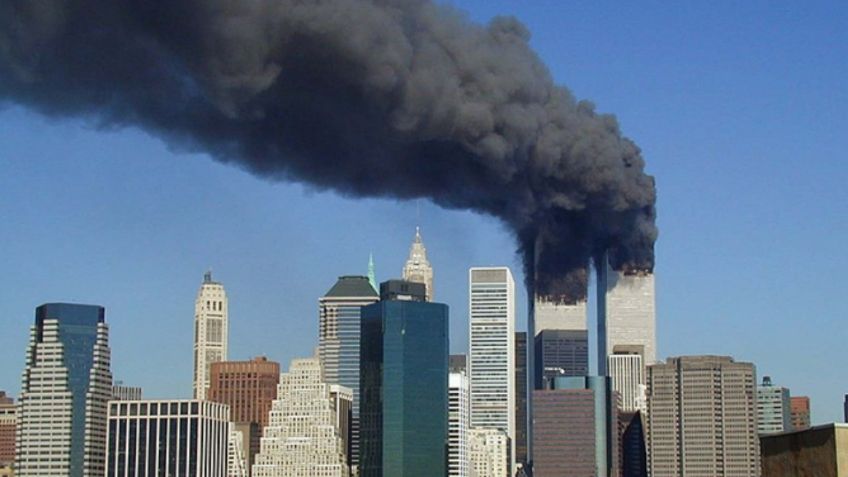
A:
(381, 397)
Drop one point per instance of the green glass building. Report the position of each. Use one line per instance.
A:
(404, 384)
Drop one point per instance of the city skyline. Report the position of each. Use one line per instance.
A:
(145, 290)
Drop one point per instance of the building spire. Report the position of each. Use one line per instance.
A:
(417, 268)
(372, 278)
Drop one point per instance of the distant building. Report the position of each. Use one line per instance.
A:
(404, 391)
(820, 451)
(125, 393)
(343, 404)
(459, 420)
(211, 324)
(248, 435)
(634, 455)
(65, 390)
(156, 438)
(845, 406)
(774, 412)
(627, 371)
(237, 459)
(339, 341)
(489, 453)
(800, 406)
(560, 353)
(248, 388)
(550, 315)
(457, 363)
(521, 397)
(417, 268)
(303, 436)
(8, 421)
(702, 418)
(575, 429)
(492, 350)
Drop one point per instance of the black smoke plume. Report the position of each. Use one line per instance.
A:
(378, 98)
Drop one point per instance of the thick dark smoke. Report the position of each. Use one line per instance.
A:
(379, 98)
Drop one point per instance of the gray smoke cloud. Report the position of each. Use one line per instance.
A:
(382, 98)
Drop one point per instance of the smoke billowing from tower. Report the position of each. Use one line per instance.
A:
(379, 98)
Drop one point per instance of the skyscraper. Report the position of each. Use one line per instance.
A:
(210, 331)
(774, 412)
(520, 397)
(372, 274)
(120, 392)
(627, 371)
(550, 315)
(248, 388)
(576, 428)
(404, 391)
(702, 418)
(560, 353)
(800, 412)
(339, 340)
(492, 350)
(8, 421)
(302, 437)
(65, 389)
(626, 313)
(459, 422)
(157, 438)
(417, 268)
(488, 451)
(634, 450)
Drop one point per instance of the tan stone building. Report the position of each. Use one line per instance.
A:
(702, 418)
(820, 451)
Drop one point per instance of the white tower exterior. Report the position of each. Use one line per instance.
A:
(417, 268)
(210, 332)
(774, 411)
(491, 363)
(559, 316)
(302, 437)
(627, 373)
(459, 421)
(488, 453)
(65, 390)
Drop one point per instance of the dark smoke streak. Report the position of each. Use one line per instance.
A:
(388, 98)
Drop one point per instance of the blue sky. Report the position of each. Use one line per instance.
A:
(739, 107)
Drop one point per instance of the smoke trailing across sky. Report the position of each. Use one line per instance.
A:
(393, 98)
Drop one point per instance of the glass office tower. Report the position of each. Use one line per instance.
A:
(404, 393)
(65, 389)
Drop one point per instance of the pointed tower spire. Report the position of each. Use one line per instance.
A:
(372, 278)
(417, 268)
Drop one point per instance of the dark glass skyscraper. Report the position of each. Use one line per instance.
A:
(560, 353)
(404, 385)
(64, 392)
(521, 397)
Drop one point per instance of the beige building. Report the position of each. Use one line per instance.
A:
(210, 332)
(417, 268)
(303, 436)
(821, 451)
(702, 418)
(488, 451)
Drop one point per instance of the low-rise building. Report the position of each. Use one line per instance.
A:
(821, 451)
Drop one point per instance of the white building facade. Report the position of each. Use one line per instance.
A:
(550, 315)
(417, 268)
(302, 437)
(459, 422)
(774, 410)
(65, 390)
(489, 453)
(627, 374)
(211, 326)
(491, 360)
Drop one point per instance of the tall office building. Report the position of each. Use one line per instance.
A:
(248, 388)
(550, 315)
(178, 438)
(459, 422)
(520, 397)
(339, 340)
(404, 384)
(627, 371)
(800, 406)
(65, 390)
(774, 412)
(302, 437)
(417, 268)
(8, 421)
(576, 428)
(634, 450)
(845, 408)
(492, 350)
(702, 418)
(210, 331)
(120, 392)
(560, 353)
(488, 451)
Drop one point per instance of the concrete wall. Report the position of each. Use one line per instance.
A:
(821, 451)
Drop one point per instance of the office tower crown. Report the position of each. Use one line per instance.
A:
(211, 325)
(417, 268)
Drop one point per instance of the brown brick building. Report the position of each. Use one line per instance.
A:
(800, 406)
(249, 388)
(7, 430)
